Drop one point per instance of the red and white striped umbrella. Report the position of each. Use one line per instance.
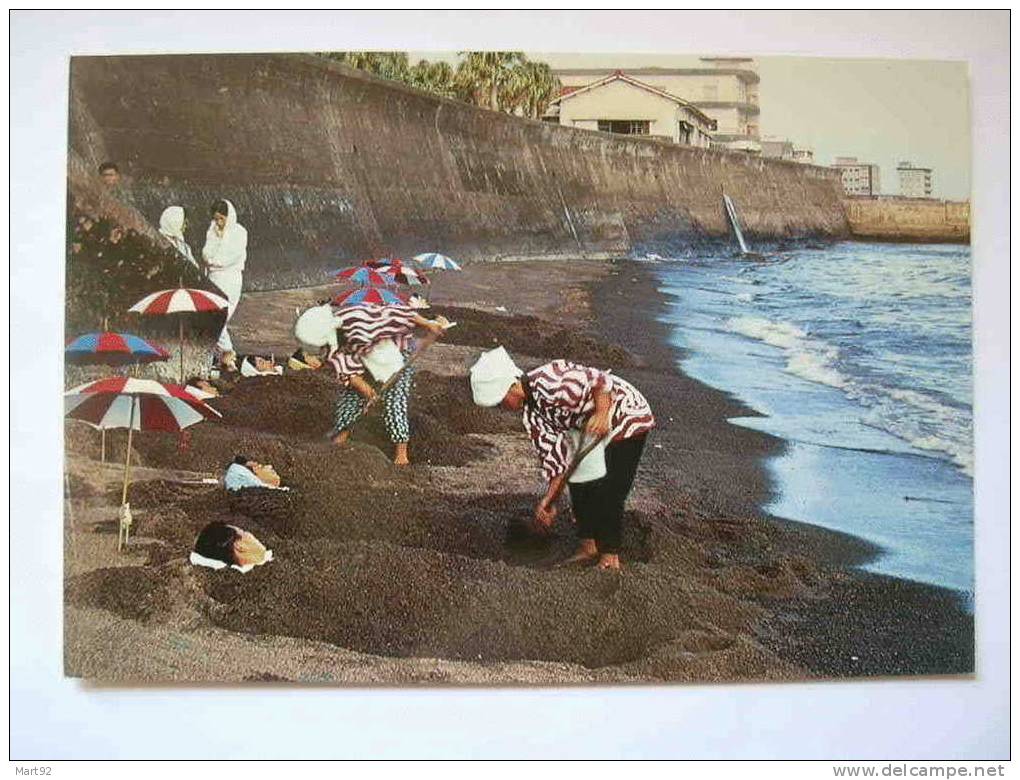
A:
(180, 300)
(138, 405)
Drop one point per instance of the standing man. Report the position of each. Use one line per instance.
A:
(567, 407)
(224, 255)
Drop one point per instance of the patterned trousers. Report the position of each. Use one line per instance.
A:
(350, 403)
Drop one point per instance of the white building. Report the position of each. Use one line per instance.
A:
(723, 88)
(621, 104)
(785, 150)
(915, 182)
(859, 178)
(806, 156)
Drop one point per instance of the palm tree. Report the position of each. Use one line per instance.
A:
(499, 80)
(434, 77)
(486, 75)
(387, 64)
(532, 86)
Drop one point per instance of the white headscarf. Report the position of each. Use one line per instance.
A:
(228, 250)
(171, 226)
(171, 222)
(492, 375)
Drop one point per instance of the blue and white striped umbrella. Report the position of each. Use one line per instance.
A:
(370, 296)
(436, 262)
(112, 349)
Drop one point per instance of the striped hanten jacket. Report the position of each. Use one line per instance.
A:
(365, 326)
(561, 397)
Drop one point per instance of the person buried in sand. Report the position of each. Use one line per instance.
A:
(243, 472)
(220, 545)
(567, 408)
(377, 340)
(304, 360)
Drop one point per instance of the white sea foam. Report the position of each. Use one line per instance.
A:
(745, 297)
(931, 426)
(934, 427)
(815, 365)
(777, 334)
(810, 359)
(963, 458)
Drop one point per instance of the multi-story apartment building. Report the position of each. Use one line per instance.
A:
(723, 88)
(915, 182)
(859, 178)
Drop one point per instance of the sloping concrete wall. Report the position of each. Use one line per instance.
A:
(906, 219)
(327, 165)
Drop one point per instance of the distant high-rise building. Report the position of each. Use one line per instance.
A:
(859, 178)
(723, 88)
(915, 182)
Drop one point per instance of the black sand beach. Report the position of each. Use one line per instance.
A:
(857, 624)
(384, 575)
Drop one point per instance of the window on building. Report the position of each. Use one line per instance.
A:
(625, 126)
(686, 134)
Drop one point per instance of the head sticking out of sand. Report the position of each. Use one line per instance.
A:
(230, 545)
(244, 471)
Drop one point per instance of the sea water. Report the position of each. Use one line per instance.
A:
(859, 357)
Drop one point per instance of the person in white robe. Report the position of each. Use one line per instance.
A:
(224, 255)
(171, 227)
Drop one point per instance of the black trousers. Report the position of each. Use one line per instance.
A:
(598, 505)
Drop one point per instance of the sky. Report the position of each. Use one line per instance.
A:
(879, 111)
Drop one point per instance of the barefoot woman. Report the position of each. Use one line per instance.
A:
(364, 328)
(564, 404)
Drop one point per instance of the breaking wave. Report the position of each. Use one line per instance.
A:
(917, 418)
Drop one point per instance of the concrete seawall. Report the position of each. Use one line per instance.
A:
(914, 220)
(326, 165)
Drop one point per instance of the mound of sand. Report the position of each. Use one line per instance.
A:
(530, 336)
(373, 558)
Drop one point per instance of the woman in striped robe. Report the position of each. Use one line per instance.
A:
(560, 397)
(363, 328)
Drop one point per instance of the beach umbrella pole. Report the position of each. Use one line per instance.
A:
(180, 331)
(102, 445)
(180, 336)
(122, 532)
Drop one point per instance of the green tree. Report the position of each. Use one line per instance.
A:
(485, 76)
(531, 87)
(434, 77)
(499, 80)
(387, 64)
